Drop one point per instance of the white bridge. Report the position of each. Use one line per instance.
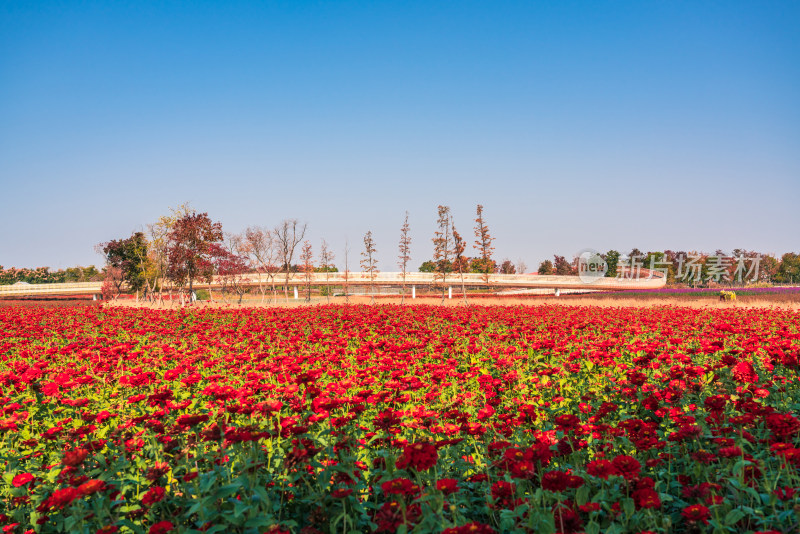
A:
(645, 280)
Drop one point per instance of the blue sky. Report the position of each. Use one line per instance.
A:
(657, 125)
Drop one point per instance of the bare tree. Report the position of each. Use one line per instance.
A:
(232, 266)
(483, 244)
(369, 263)
(459, 261)
(306, 256)
(287, 235)
(405, 254)
(346, 271)
(442, 248)
(326, 258)
(522, 267)
(263, 252)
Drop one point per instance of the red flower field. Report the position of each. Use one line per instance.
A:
(399, 419)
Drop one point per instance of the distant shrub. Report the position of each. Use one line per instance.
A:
(202, 294)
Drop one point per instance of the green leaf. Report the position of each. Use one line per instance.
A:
(629, 506)
(582, 495)
(734, 516)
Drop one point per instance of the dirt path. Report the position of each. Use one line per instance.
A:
(606, 301)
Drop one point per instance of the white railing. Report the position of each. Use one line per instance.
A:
(65, 288)
(656, 281)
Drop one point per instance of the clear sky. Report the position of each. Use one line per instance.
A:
(604, 124)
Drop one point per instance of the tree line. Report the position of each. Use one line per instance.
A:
(43, 275)
(186, 247)
(691, 267)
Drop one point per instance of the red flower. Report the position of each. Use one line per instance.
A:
(154, 495)
(730, 452)
(154, 473)
(110, 529)
(555, 481)
(567, 422)
(567, 520)
(75, 458)
(646, 498)
(744, 372)
(91, 486)
(503, 494)
(785, 493)
(399, 486)
(21, 479)
(447, 485)
(627, 467)
(589, 507)
(191, 420)
(59, 499)
(783, 425)
(600, 468)
(161, 527)
(696, 512)
(420, 456)
(539, 452)
(391, 515)
(522, 469)
(341, 493)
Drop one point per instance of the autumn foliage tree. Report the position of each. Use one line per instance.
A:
(158, 248)
(194, 243)
(507, 267)
(562, 267)
(483, 244)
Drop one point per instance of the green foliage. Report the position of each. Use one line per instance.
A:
(612, 260)
(43, 275)
(81, 274)
(202, 294)
(130, 256)
(427, 267)
(789, 269)
(546, 267)
(481, 266)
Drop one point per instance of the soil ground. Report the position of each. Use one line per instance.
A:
(780, 301)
